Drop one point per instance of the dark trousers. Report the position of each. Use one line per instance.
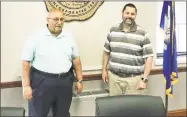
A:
(50, 91)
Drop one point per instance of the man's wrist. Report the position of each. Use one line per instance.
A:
(144, 76)
(104, 69)
(144, 79)
(25, 86)
(79, 81)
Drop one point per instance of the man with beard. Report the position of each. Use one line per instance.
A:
(48, 59)
(128, 54)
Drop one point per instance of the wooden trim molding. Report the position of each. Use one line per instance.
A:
(159, 70)
(87, 77)
(177, 113)
(12, 84)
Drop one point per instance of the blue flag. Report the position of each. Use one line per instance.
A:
(167, 25)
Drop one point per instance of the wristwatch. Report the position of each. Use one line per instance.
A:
(80, 81)
(145, 80)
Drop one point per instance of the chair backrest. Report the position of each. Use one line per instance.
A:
(130, 105)
(12, 111)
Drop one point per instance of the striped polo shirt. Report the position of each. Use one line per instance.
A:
(128, 50)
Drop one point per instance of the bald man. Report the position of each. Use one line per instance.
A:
(48, 59)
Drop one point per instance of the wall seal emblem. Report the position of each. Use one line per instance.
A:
(75, 11)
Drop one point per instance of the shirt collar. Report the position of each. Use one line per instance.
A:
(48, 33)
(132, 29)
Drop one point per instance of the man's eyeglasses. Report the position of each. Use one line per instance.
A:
(57, 19)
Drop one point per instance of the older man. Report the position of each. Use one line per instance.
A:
(48, 59)
(129, 53)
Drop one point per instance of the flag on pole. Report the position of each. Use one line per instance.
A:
(167, 25)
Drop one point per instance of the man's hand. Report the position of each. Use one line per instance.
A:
(105, 76)
(79, 87)
(141, 85)
(27, 92)
(78, 70)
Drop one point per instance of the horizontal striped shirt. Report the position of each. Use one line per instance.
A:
(128, 50)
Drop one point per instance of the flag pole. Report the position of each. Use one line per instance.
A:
(166, 104)
(172, 39)
(170, 53)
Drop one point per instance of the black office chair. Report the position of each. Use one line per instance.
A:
(12, 111)
(130, 105)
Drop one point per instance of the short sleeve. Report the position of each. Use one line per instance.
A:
(147, 47)
(107, 44)
(28, 50)
(75, 51)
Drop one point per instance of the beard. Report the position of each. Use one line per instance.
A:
(128, 21)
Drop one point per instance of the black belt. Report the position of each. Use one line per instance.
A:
(52, 75)
(125, 74)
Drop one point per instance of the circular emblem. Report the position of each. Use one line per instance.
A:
(75, 10)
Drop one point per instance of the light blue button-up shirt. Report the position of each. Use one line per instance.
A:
(49, 53)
